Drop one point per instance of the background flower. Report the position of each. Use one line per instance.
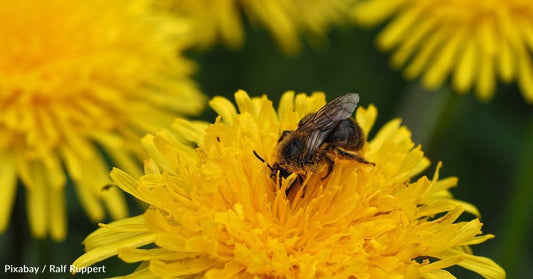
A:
(287, 21)
(79, 80)
(215, 211)
(473, 42)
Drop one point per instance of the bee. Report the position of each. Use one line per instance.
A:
(321, 135)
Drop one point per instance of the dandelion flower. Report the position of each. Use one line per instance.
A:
(215, 20)
(80, 79)
(215, 212)
(474, 42)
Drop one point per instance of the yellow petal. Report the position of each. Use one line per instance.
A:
(466, 70)
(152, 149)
(131, 255)
(103, 252)
(525, 76)
(427, 48)
(191, 131)
(115, 203)
(72, 162)
(439, 69)
(108, 139)
(125, 161)
(366, 118)
(181, 268)
(230, 23)
(486, 79)
(527, 31)
(89, 201)
(286, 105)
(37, 199)
(438, 265)
(420, 30)
(506, 61)
(488, 37)
(396, 30)
(107, 234)
(470, 208)
(179, 243)
(478, 240)
(305, 105)
(54, 171)
(372, 12)
(58, 214)
(230, 270)
(126, 182)
(8, 187)
(150, 167)
(244, 103)
(422, 166)
(481, 265)
(384, 133)
(224, 108)
(438, 274)
(453, 211)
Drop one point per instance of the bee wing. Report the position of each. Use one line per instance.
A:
(325, 119)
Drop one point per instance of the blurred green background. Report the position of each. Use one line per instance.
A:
(489, 146)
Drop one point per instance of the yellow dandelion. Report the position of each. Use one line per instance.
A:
(474, 42)
(286, 21)
(79, 79)
(215, 212)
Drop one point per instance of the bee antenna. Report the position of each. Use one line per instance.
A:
(259, 157)
(263, 160)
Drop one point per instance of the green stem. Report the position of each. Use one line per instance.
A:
(45, 257)
(429, 114)
(516, 229)
(442, 112)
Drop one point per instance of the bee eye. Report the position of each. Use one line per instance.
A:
(293, 148)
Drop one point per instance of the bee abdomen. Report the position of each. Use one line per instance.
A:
(347, 135)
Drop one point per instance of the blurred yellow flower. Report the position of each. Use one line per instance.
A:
(473, 41)
(79, 79)
(286, 20)
(216, 213)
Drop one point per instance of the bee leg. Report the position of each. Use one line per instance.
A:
(352, 156)
(298, 181)
(330, 163)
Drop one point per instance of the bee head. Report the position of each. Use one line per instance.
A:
(292, 149)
